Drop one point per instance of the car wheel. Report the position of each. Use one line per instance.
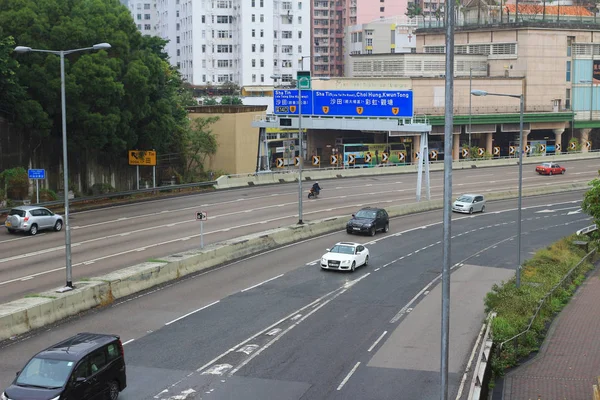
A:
(353, 267)
(387, 227)
(11, 231)
(58, 226)
(562, 172)
(483, 209)
(113, 390)
(34, 230)
(349, 231)
(550, 173)
(471, 210)
(372, 231)
(366, 261)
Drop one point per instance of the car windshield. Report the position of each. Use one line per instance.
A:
(546, 165)
(20, 213)
(342, 249)
(45, 372)
(465, 199)
(366, 214)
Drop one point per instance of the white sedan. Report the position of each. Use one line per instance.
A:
(345, 256)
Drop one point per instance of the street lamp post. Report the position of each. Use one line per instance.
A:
(521, 111)
(62, 53)
(470, 98)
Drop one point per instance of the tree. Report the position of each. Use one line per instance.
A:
(125, 97)
(198, 143)
(591, 200)
(209, 101)
(414, 9)
(231, 100)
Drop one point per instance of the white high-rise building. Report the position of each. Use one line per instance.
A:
(144, 14)
(239, 41)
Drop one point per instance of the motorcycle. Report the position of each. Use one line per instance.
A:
(312, 194)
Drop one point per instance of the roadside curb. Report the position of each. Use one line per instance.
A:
(23, 315)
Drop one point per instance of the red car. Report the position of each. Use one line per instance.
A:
(550, 169)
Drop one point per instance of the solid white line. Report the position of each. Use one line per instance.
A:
(127, 342)
(348, 376)
(193, 312)
(258, 284)
(377, 341)
(464, 378)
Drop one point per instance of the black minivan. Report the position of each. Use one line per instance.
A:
(84, 367)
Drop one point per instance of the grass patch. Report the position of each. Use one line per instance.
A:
(157, 260)
(35, 295)
(516, 308)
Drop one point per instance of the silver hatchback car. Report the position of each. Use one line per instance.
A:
(32, 219)
(469, 203)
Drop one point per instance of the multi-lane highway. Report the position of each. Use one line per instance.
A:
(112, 238)
(276, 326)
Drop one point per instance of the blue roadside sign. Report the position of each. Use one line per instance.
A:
(286, 102)
(36, 173)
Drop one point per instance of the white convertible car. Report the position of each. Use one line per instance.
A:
(345, 256)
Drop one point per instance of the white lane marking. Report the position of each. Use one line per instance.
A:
(407, 306)
(377, 269)
(348, 376)
(258, 284)
(218, 369)
(247, 349)
(273, 332)
(468, 368)
(295, 317)
(377, 341)
(26, 278)
(127, 342)
(193, 312)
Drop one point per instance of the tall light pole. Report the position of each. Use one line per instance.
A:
(470, 98)
(522, 106)
(62, 53)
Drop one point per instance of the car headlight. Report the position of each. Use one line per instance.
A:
(323, 261)
(346, 262)
(3, 396)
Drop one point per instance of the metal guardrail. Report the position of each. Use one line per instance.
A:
(122, 194)
(548, 296)
(483, 361)
(587, 230)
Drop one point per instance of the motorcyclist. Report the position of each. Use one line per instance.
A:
(316, 188)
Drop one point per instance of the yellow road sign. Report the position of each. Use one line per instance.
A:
(368, 158)
(588, 145)
(542, 148)
(316, 161)
(465, 152)
(351, 159)
(384, 157)
(401, 156)
(333, 159)
(558, 147)
(296, 161)
(142, 157)
(572, 145)
(496, 151)
(279, 163)
(512, 150)
(433, 154)
(480, 151)
(527, 149)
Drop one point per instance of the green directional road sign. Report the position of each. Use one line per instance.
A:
(303, 78)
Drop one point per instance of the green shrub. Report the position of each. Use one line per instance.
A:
(15, 182)
(515, 308)
(45, 195)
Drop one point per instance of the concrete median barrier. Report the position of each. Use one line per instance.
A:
(23, 315)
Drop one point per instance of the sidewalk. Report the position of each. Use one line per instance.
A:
(568, 363)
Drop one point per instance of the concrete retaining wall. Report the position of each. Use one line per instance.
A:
(288, 176)
(21, 316)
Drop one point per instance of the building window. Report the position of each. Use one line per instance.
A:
(568, 71)
(262, 17)
(139, 17)
(146, 6)
(381, 9)
(300, 49)
(286, 34)
(570, 41)
(275, 49)
(253, 63)
(253, 18)
(253, 32)
(147, 27)
(253, 48)
(146, 16)
(262, 78)
(568, 99)
(262, 3)
(204, 21)
(178, 39)
(204, 48)
(299, 5)
(253, 78)
(299, 34)
(275, 34)
(262, 62)
(262, 33)
(262, 48)
(253, 3)
(299, 20)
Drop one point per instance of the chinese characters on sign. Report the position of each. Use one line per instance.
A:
(142, 157)
(349, 103)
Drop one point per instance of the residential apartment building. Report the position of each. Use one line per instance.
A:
(245, 42)
(144, 15)
(329, 21)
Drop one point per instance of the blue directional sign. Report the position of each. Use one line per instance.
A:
(286, 102)
(346, 103)
(356, 103)
(36, 173)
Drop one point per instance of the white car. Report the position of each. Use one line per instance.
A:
(345, 256)
(469, 203)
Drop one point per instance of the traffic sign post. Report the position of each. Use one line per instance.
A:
(144, 158)
(201, 216)
(316, 161)
(497, 151)
(37, 174)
